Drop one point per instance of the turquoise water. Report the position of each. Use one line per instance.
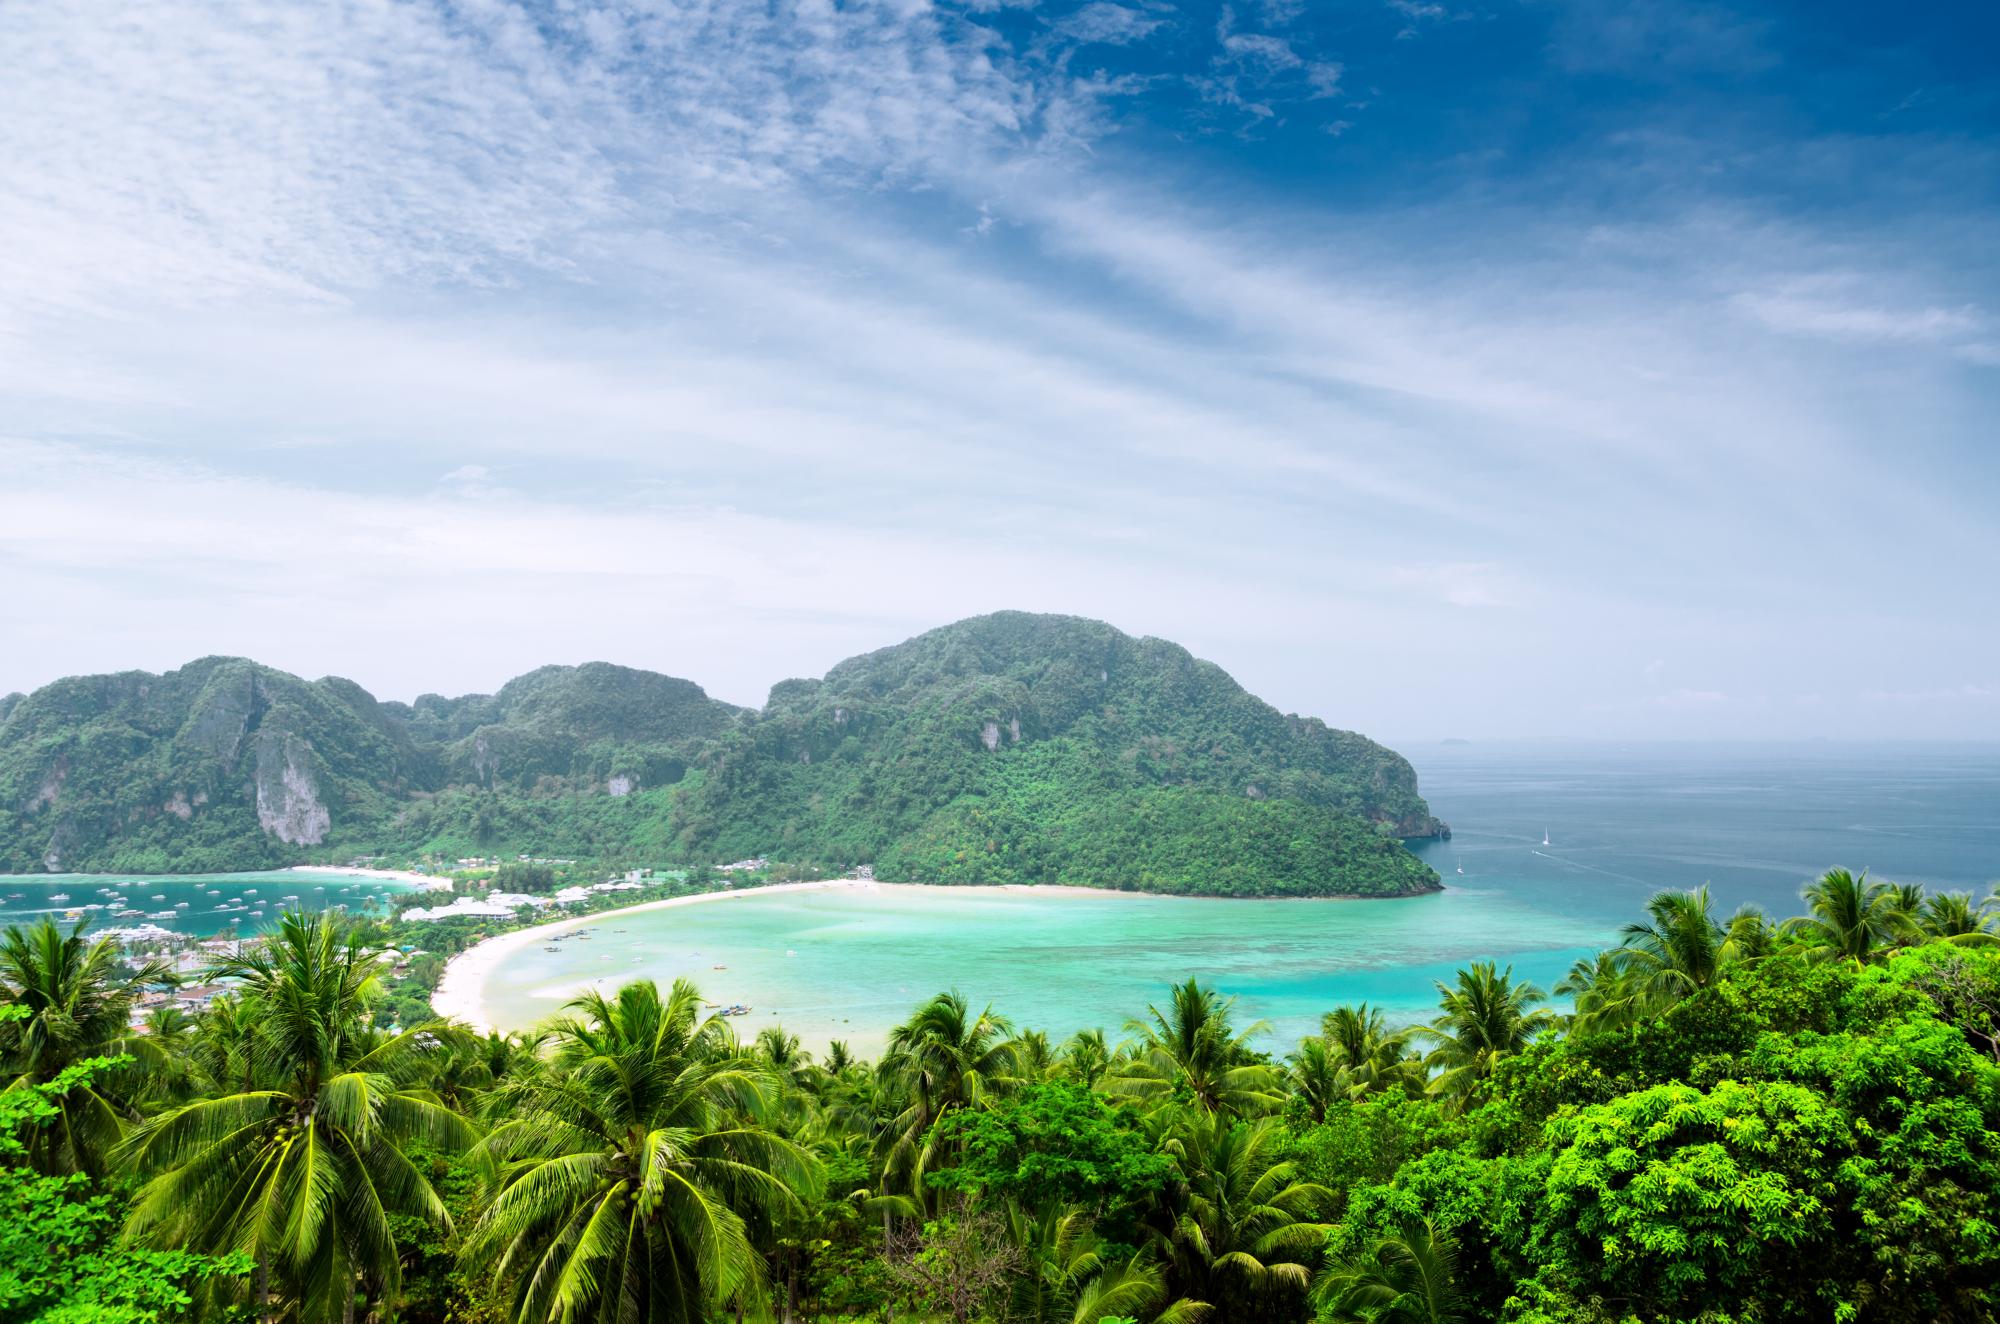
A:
(1754, 822)
(203, 906)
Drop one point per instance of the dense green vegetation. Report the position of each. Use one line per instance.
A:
(1740, 1120)
(1005, 749)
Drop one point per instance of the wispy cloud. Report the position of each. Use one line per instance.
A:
(325, 324)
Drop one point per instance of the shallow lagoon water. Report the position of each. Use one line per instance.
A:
(1754, 822)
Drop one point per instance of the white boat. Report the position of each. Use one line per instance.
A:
(58, 896)
(1461, 866)
(1545, 836)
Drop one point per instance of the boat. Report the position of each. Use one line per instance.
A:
(1461, 866)
(64, 896)
(551, 949)
(1545, 836)
(718, 967)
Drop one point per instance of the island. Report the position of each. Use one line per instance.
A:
(1011, 748)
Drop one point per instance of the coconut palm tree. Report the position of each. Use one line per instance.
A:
(1851, 918)
(1749, 935)
(1677, 950)
(1086, 1058)
(781, 1052)
(1316, 1076)
(304, 1169)
(71, 1004)
(839, 1057)
(1241, 1232)
(1193, 1051)
(1485, 1019)
(1402, 1279)
(1907, 897)
(944, 1057)
(1035, 1058)
(1608, 994)
(629, 1174)
(1375, 1057)
(1951, 917)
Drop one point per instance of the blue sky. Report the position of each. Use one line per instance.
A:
(1486, 369)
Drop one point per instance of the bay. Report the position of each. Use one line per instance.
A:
(1754, 822)
(198, 905)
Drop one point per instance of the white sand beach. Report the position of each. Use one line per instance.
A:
(460, 994)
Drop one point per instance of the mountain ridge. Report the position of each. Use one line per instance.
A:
(1012, 747)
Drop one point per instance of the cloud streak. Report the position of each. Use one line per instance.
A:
(730, 339)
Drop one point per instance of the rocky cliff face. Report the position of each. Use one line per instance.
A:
(228, 764)
(288, 800)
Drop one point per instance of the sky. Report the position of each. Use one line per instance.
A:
(1564, 369)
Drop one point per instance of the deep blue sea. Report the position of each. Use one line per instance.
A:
(1754, 822)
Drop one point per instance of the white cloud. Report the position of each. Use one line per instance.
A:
(302, 307)
(1104, 23)
(1805, 313)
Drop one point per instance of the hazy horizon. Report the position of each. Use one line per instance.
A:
(1500, 370)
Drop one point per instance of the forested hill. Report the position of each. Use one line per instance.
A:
(1006, 748)
(1025, 748)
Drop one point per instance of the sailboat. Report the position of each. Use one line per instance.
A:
(1461, 866)
(1545, 836)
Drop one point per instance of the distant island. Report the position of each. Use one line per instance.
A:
(1009, 748)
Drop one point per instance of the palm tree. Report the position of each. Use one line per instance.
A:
(839, 1057)
(1317, 1077)
(1086, 1058)
(1243, 1234)
(1677, 950)
(1485, 1019)
(629, 1173)
(943, 1058)
(1191, 1050)
(1034, 1058)
(781, 1052)
(71, 1005)
(1951, 917)
(1375, 1057)
(1852, 919)
(1749, 935)
(1607, 993)
(1403, 1279)
(1907, 897)
(305, 1169)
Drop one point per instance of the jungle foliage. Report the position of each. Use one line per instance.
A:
(1738, 1122)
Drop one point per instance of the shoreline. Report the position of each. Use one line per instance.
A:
(428, 882)
(421, 881)
(458, 995)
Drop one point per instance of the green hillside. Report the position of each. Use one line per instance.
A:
(1002, 749)
(1023, 748)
